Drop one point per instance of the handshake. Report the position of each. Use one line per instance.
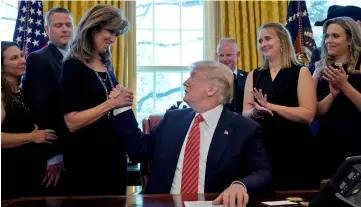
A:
(120, 97)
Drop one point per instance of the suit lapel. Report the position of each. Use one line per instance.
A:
(175, 144)
(220, 141)
(55, 58)
(238, 85)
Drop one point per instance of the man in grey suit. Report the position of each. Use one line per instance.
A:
(40, 89)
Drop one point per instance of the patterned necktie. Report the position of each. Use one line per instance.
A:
(234, 89)
(190, 170)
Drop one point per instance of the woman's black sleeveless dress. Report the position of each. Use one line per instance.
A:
(289, 145)
(340, 129)
(21, 167)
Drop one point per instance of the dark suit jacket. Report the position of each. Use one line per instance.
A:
(316, 56)
(238, 92)
(236, 156)
(40, 87)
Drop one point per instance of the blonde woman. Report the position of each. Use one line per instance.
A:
(338, 81)
(95, 150)
(281, 97)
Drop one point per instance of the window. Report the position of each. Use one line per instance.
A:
(317, 10)
(169, 38)
(9, 13)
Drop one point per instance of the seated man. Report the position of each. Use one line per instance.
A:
(205, 148)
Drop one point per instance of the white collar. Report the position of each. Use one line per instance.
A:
(211, 117)
(235, 71)
(62, 51)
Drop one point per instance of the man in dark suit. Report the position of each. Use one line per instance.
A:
(205, 148)
(40, 88)
(316, 56)
(228, 54)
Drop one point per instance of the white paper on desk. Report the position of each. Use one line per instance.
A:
(121, 110)
(200, 204)
(279, 203)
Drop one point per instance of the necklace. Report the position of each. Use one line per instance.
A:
(102, 81)
(341, 63)
(19, 99)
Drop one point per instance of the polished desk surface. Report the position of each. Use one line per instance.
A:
(140, 200)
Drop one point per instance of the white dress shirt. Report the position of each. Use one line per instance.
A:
(62, 51)
(206, 128)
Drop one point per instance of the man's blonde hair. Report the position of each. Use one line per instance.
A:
(220, 76)
(228, 40)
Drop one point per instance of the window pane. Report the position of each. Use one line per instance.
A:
(192, 14)
(168, 88)
(192, 50)
(9, 9)
(145, 100)
(166, 14)
(7, 30)
(186, 75)
(167, 49)
(348, 2)
(317, 11)
(9, 13)
(144, 47)
(184, 78)
(144, 14)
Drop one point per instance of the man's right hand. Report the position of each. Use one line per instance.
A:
(42, 136)
(121, 97)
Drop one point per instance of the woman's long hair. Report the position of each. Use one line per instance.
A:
(288, 55)
(96, 18)
(7, 93)
(353, 33)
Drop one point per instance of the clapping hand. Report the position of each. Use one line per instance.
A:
(337, 78)
(260, 111)
(260, 107)
(261, 99)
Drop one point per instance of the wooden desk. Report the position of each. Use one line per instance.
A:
(138, 200)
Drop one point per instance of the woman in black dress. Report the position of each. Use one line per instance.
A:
(96, 151)
(338, 80)
(285, 110)
(21, 161)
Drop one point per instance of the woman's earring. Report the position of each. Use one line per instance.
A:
(281, 49)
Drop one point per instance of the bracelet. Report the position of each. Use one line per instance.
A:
(256, 116)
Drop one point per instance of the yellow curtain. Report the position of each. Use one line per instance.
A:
(241, 20)
(124, 49)
(212, 32)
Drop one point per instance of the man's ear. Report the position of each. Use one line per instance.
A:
(47, 29)
(212, 90)
(238, 54)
